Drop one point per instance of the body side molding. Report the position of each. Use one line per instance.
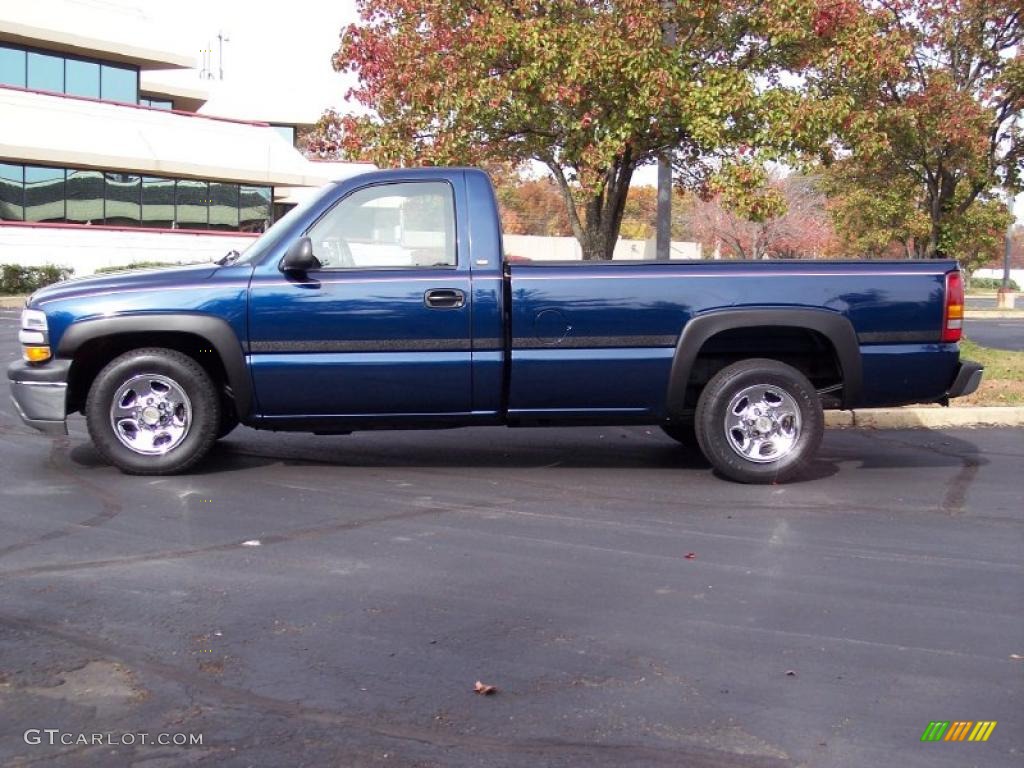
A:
(214, 329)
(833, 326)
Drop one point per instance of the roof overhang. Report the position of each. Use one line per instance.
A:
(187, 99)
(67, 40)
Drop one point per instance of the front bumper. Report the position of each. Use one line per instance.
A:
(40, 393)
(968, 377)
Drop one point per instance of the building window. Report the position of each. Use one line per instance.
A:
(287, 133)
(43, 194)
(192, 203)
(12, 192)
(85, 197)
(45, 72)
(157, 202)
(123, 195)
(223, 206)
(82, 78)
(255, 209)
(156, 103)
(12, 66)
(119, 84)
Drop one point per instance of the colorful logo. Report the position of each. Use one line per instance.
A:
(958, 730)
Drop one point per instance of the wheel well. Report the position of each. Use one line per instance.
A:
(94, 354)
(809, 351)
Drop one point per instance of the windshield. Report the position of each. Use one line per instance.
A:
(281, 228)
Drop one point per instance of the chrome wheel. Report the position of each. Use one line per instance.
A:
(762, 423)
(150, 414)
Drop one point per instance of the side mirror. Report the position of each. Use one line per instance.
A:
(299, 257)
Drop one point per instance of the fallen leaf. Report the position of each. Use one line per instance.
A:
(690, 555)
(790, 673)
(484, 690)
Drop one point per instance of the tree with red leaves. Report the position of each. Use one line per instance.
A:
(927, 92)
(588, 88)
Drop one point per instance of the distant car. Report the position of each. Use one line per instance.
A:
(384, 302)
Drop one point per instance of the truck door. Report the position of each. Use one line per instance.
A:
(382, 327)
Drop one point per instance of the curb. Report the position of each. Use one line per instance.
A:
(12, 302)
(928, 418)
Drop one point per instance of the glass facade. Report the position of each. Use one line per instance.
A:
(43, 194)
(287, 132)
(44, 71)
(82, 78)
(156, 103)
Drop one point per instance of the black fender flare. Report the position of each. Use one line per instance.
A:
(833, 326)
(215, 330)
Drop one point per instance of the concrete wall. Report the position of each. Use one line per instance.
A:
(568, 248)
(88, 248)
(1017, 275)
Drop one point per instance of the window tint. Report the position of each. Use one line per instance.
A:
(255, 209)
(83, 78)
(389, 225)
(85, 197)
(12, 192)
(287, 132)
(192, 204)
(157, 202)
(45, 72)
(12, 66)
(223, 205)
(44, 194)
(119, 84)
(123, 196)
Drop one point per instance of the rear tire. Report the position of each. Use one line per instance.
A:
(153, 411)
(759, 421)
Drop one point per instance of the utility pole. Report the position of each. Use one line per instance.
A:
(663, 242)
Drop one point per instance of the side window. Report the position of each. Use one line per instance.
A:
(411, 224)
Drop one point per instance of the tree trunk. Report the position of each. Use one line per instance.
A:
(598, 230)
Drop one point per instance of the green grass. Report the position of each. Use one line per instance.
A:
(1003, 383)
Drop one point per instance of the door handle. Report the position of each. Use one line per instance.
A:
(444, 298)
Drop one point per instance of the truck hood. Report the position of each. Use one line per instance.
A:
(117, 281)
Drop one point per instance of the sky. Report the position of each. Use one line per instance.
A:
(278, 51)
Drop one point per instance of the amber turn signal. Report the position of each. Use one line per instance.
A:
(36, 354)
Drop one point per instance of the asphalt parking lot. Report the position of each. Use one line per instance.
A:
(1000, 334)
(332, 601)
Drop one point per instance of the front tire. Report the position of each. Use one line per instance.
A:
(153, 412)
(759, 421)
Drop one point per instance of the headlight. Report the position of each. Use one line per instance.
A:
(34, 336)
(33, 320)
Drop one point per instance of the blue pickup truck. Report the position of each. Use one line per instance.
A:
(385, 302)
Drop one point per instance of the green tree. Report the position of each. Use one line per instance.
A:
(927, 92)
(589, 88)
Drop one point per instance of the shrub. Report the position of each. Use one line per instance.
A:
(990, 284)
(16, 279)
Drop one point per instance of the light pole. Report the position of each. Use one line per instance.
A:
(221, 39)
(663, 232)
